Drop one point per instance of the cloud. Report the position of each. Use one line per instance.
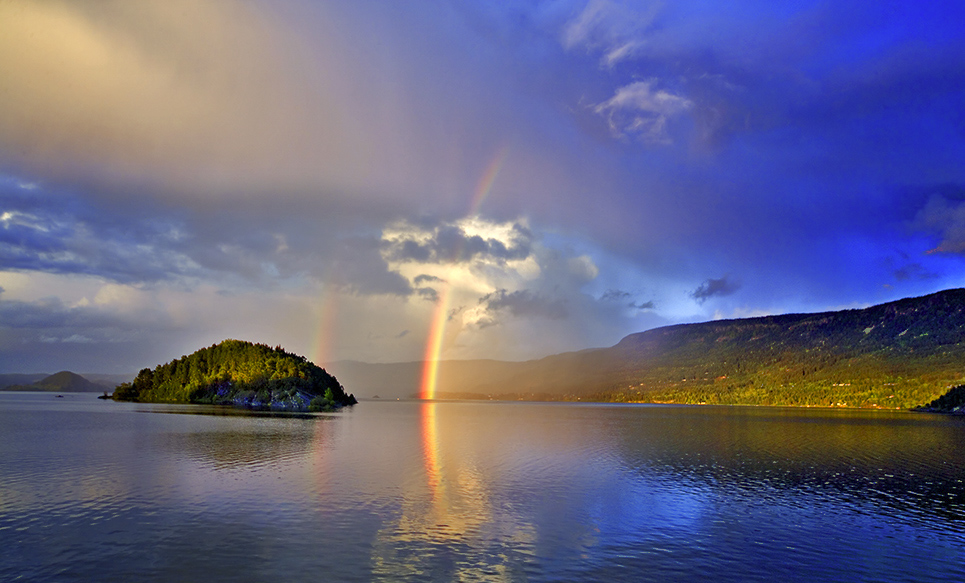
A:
(615, 295)
(428, 293)
(525, 304)
(715, 288)
(913, 271)
(640, 111)
(311, 165)
(450, 243)
(943, 218)
(626, 299)
(36, 235)
(424, 278)
(617, 29)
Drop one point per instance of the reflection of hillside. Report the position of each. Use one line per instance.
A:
(894, 459)
(249, 447)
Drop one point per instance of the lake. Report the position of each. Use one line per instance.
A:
(477, 491)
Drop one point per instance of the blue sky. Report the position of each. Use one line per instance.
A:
(316, 174)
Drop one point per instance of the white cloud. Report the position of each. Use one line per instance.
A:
(640, 110)
(615, 28)
(622, 52)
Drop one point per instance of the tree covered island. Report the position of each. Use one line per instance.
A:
(242, 374)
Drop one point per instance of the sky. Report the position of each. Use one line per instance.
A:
(385, 181)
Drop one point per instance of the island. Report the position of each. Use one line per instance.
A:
(241, 374)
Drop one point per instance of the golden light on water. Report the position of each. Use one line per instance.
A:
(430, 452)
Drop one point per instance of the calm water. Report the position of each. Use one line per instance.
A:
(452, 491)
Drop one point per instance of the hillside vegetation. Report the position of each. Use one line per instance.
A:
(242, 374)
(896, 355)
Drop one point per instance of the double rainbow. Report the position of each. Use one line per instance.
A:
(437, 327)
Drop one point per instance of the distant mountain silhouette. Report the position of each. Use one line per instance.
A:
(896, 355)
(8, 380)
(61, 382)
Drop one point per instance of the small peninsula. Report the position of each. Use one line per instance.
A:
(240, 374)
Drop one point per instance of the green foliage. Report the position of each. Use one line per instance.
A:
(238, 373)
(320, 404)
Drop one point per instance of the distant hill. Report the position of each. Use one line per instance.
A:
(9, 380)
(896, 355)
(239, 373)
(61, 382)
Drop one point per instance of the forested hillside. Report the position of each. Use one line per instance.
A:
(900, 354)
(238, 373)
(897, 355)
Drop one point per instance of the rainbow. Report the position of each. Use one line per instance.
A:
(437, 327)
(327, 312)
(485, 185)
(437, 330)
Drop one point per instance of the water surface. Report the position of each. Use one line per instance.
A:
(475, 491)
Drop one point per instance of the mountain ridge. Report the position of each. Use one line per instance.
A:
(899, 354)
(64, 381)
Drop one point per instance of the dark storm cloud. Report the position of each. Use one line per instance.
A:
(715, 288)
(425, 278)
(451, 244)
(360, 268)
(625, 298)
(48, 335)
(428, 293)
(51, 314)
(525, 304)
(43, 232)
(57, 232)
(615, 295)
